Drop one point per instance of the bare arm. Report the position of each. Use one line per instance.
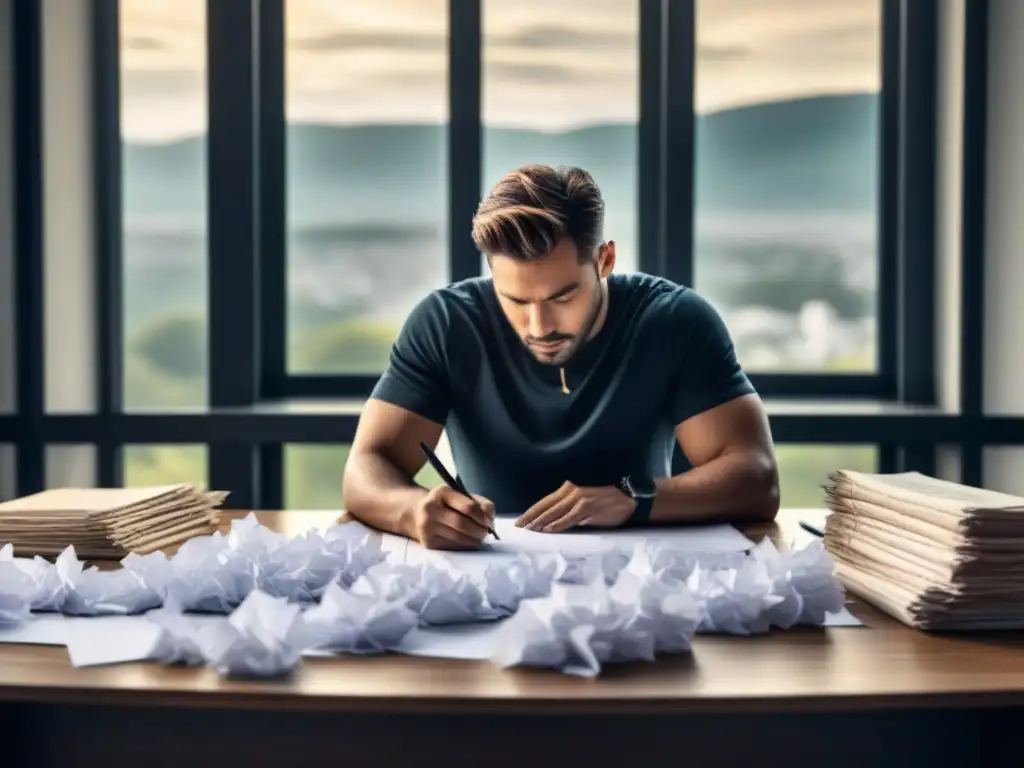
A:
(734, 477)
(378, 488)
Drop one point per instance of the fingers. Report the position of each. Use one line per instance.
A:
(487, 507)
(450, 518)
(477, 508)
(577, 515)
(445, 528)
(556, 512)
(542, 506)
(447, 537)
(464, 524)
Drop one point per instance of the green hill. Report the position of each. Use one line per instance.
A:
(810, 154)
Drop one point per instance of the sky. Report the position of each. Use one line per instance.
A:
(548, 64)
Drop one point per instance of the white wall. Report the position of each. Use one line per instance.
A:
(1004, 257)
(69, 269)
(68, 266)
(70, 466)
(948, 200)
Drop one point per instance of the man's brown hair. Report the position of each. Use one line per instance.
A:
(533, 207)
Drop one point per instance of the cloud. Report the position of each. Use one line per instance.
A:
(151, 85)
(370, 39)
(144, 43)
(532, 72)
(859, 36)
(558, 36)
(717, 53)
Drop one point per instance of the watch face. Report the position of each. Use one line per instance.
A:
(642, 486)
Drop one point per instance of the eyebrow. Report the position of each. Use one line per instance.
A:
(566, 289)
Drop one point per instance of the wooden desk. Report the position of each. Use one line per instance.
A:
(883, 695)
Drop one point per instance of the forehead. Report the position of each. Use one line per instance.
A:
(537, 279)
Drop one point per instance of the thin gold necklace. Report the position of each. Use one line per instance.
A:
(561, 371)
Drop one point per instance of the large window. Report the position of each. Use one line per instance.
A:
(787, 178)
(164, 464)
(561, 86)
(804, 469)
(163, 129)
(313, 476)
(775, 155)
(313, 472)
(366, 107)
(164, 295)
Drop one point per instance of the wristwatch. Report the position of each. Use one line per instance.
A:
(642, 490)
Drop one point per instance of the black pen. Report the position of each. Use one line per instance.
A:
(451, 482)
(812, 528)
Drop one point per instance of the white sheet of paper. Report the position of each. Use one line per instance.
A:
(707, 539)
(695, 539)
(96, 640)
(842, 618)
(472, 642)
(43, 629)
(394, 545)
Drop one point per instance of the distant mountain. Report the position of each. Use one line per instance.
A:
(809, 154)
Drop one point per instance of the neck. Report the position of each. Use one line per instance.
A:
(602, 313)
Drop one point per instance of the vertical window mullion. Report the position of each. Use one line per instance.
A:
(465, 134)
(678, 139)
(106, 84)
(26, 46)
(917, 204)
(272, 196)
(651, 191)
(273, 225)
(972, 242)
(234, 233)
(889, 195)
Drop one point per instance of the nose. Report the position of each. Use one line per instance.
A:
(540, 321)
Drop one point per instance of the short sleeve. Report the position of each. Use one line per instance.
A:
(417, 377)
(707, 371)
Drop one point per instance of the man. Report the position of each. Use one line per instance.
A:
(563, 388)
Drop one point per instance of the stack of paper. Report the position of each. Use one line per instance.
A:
(934, 554)
(107, 523)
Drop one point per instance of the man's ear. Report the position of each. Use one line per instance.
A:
(606, 259)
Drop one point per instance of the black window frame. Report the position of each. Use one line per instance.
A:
(252, 414)
(666, 128)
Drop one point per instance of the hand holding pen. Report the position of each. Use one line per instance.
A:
(450, 517)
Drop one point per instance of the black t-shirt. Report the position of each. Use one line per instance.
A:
(662, 356)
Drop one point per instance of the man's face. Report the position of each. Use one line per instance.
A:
(553, 304)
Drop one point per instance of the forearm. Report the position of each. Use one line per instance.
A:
(378, 494)
(735, 487)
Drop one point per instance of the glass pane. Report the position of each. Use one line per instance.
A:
(164, 464)
(367, 107)
(313, 475)
(561, 85)
(787, 160)
(163, 128)
(804, 469)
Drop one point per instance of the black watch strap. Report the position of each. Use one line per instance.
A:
(643, 503)
(641, 512)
